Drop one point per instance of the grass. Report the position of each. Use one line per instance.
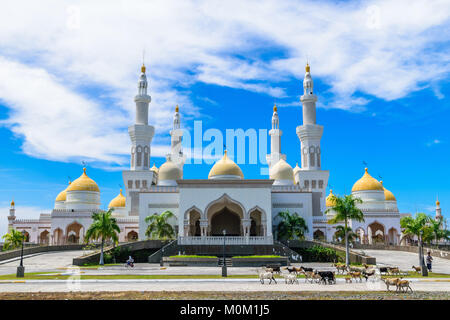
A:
(256, 256)
(193, 256)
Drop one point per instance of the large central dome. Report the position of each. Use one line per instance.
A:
(225, 168)
(367, 182)
(83, 183)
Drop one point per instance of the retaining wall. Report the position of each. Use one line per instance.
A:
(6, 255)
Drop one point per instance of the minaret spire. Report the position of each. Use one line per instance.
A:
(275, 140)
(176, 136)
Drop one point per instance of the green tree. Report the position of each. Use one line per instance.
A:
(292, 226)
(13, 239)
(435, 231)
(158, 227)
(345, 209)
(340, 233)
(103, 227)
(419, 226)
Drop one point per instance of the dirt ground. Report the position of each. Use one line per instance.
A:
(210, 295)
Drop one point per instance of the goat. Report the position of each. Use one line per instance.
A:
(403, 284)
(274, 268)
(326, 277)
(348, 279)
(306, 269)
(418, 269)
(367, 274)
(383, 270)
(292, 269)
(393, 270)
(356, 275)
(290, 278)
(340, 267)
(266, 275)
(309, 276)
(390, 282)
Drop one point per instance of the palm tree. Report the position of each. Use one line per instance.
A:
(340, 233)
(105, 227)
(158, 227)
(13, 239)
(419, 226)
(291, 226)
(436, 232)
(345, 209)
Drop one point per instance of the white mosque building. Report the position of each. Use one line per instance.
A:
(247, 209)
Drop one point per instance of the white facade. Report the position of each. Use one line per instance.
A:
(246, 209)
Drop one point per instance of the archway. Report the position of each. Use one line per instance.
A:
(360, 235)
(376, 233)
(73, 232)
(225, 214)
(44, 237)
(393, 236)
(26, 236)
(194, 223)
(132, 236)
(319, 235)
(256, 225)
(58, 236)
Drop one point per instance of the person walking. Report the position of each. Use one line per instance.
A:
(429, 260)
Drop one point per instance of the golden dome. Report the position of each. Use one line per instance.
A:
(282, 171)
(177, 108)
(83, 183)
(388, 196)
(143, 68)
(274, 107)
(12, 203)
(62, 195)
(118, 201)
(367, 182)
(169, 171)
(437, 202)
(225, 167)
(307, 68)
(329, 201)
(154, 169)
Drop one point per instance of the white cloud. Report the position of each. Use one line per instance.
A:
(434, 142)
(72, 78)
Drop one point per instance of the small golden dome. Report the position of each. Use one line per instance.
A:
(225, 167)
(275, 108)
(83, 183)
(143, 68)
(367, 182)
(118, 201)
(307, 68)
(169, 171)
(62, 195)
(154, 168)
(12, 203)
(388, 195)
(177, 108)
(437, 202)
(330, 201)
(282, 171)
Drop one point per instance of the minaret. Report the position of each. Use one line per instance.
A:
(275, 140)
(310, 176)
(176, 135)
(12, 216)
(309, 133)
(438, 210)
(141, 133)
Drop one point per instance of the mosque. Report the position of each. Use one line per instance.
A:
(246, 209)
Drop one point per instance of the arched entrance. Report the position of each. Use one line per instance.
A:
(225, 214)
(360, 235)
(26, 236)
(319, 235)
(58, 236)
(44, 237)
(73, 232)
(132, 236)
(256, 223)
(376, 233)
(194, 223)
(393, 236)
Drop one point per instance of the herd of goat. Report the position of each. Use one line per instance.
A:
(328, 277)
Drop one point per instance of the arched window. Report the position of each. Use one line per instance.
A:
(139, 156)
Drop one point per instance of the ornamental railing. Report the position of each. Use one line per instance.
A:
(230, 240)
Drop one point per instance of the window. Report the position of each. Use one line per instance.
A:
(306, 184)
(130, 184)
(320, 184)
(144, 183)
(313, 184)
(138, 184)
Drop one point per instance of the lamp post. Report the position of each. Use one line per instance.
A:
(161, 262)
(423, 265)
(21, 269)
(224, 265)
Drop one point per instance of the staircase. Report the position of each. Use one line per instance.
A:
(228, 262)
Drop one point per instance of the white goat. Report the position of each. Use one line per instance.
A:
(290, 278)
(266, 275)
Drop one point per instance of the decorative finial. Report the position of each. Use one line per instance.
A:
(437, 201)
(121, 191)
(225, 153)
(331, 191)
(143, 68)
(365, 169)
(275, 107)
(307, 68)
(12, 203)
(177, 108)
(381, 181)
(84, 170)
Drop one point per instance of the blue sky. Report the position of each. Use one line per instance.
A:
(68, 74)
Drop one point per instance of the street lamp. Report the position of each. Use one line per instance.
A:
(21, 269)
(161, 262)
(224, 265)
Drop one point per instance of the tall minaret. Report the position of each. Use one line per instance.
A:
(141, 133)
(176, 135)
(438, 210)
(12, 216)
(311, 177)
(275, 140)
